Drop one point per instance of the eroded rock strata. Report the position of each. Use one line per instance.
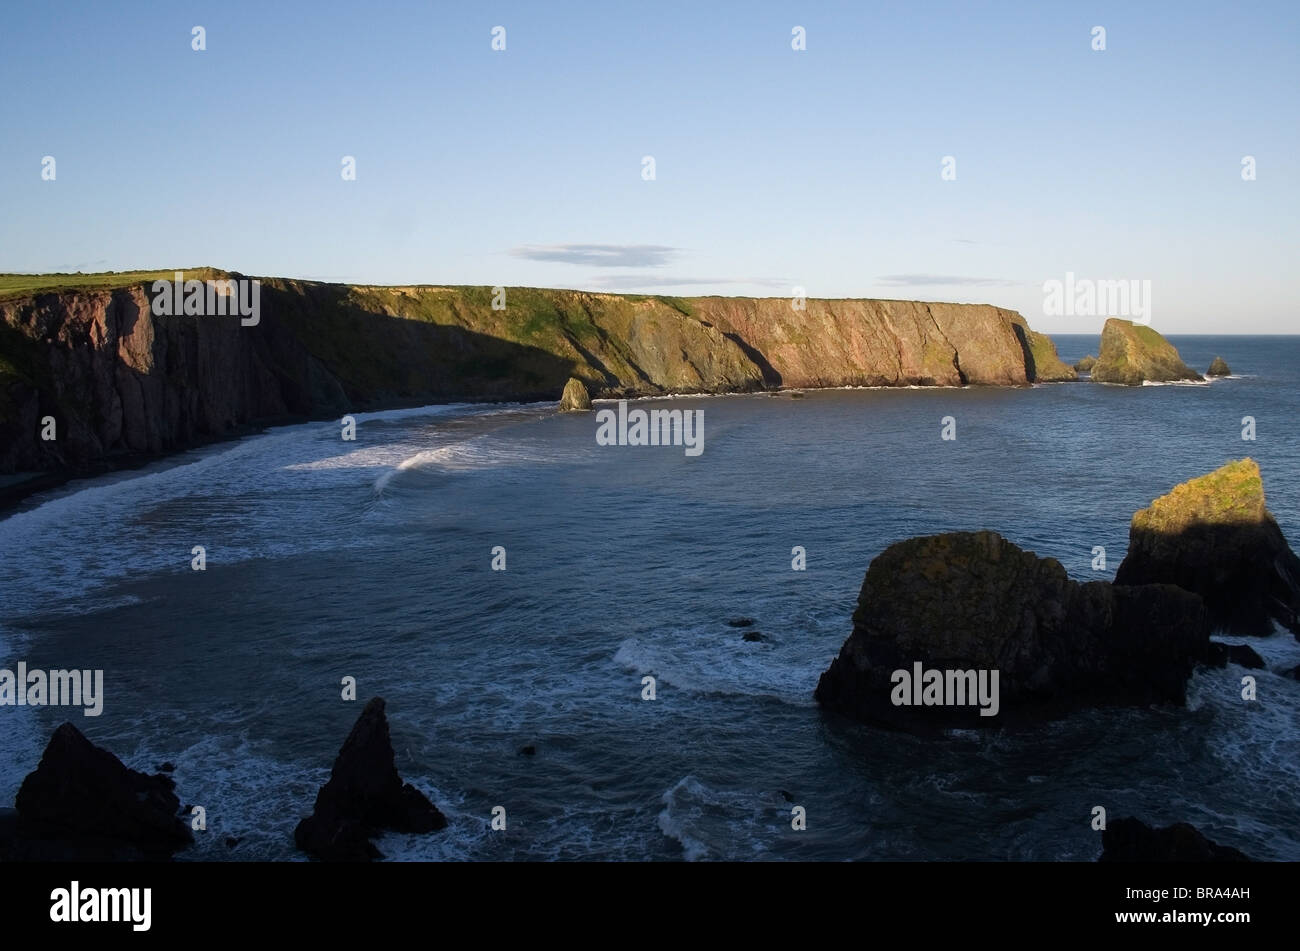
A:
(119, 380)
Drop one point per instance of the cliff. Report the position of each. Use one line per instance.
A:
(118, 380)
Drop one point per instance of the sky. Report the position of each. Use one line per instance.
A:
(774, 168)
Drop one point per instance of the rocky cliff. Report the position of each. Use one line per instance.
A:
(1214, 535)
(117, 379)
(973, 601)
(1133, 354)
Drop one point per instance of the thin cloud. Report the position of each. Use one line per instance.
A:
(599, 255)
(942, 280)
(631, 281)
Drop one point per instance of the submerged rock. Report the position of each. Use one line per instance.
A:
(1132, 354)
(1130, 840)
(1221, 655)
(575, 397)
(741, 622)
(1086, 364)
(1213, 535)
(83, 804)
(753, 636)
(1218, 368)
(973, 601)
(364, 796)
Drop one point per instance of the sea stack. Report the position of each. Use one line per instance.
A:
(1133, 354)
(1218, 368)
(1086, 364)
(575, 397)
(1131, 840)
(1214, 536)
(974, 602)
(83, 804)
(364, 796)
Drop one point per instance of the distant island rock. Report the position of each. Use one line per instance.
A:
(971, 601)
(1218, 368)
(81, 803)
(122, 382)
(1133, 354)
(1086, 364)
(1130, 840)
(364, 796)
(1214, 535)
(575, 397)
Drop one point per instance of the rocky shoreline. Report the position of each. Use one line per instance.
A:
(973, 603)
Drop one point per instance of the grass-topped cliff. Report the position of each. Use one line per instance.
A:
(87, 350)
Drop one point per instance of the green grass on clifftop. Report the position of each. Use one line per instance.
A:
(1233, 493)
(29, 285)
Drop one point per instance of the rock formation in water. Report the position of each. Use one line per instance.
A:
(364, 796)
(1214, 535)
(1130, 840)
(82, 804)
(1221, 655)
(1086, 364)
(118, 380)
(1218, 368)
(1133, 354)
(972, 601)
(574, 398)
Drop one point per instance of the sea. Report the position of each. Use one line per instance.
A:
(373, 559)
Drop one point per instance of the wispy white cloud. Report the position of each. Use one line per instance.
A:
(599, 255)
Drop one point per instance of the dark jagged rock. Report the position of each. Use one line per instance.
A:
(364, 796)
(167, 768)
(528, 750)
(1086, 364)
(575, 398)
(1221, 655)
(741, 622)
(1130, 840)
(753, 636)
(1218, 368)
(1214, 536)
(1132, 354)
(82, 804)
(975, 601)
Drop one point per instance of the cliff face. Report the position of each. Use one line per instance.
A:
(118, 379)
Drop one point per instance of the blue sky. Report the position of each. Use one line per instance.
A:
(774, 168)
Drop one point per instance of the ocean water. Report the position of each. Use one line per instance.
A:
(372, 559)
